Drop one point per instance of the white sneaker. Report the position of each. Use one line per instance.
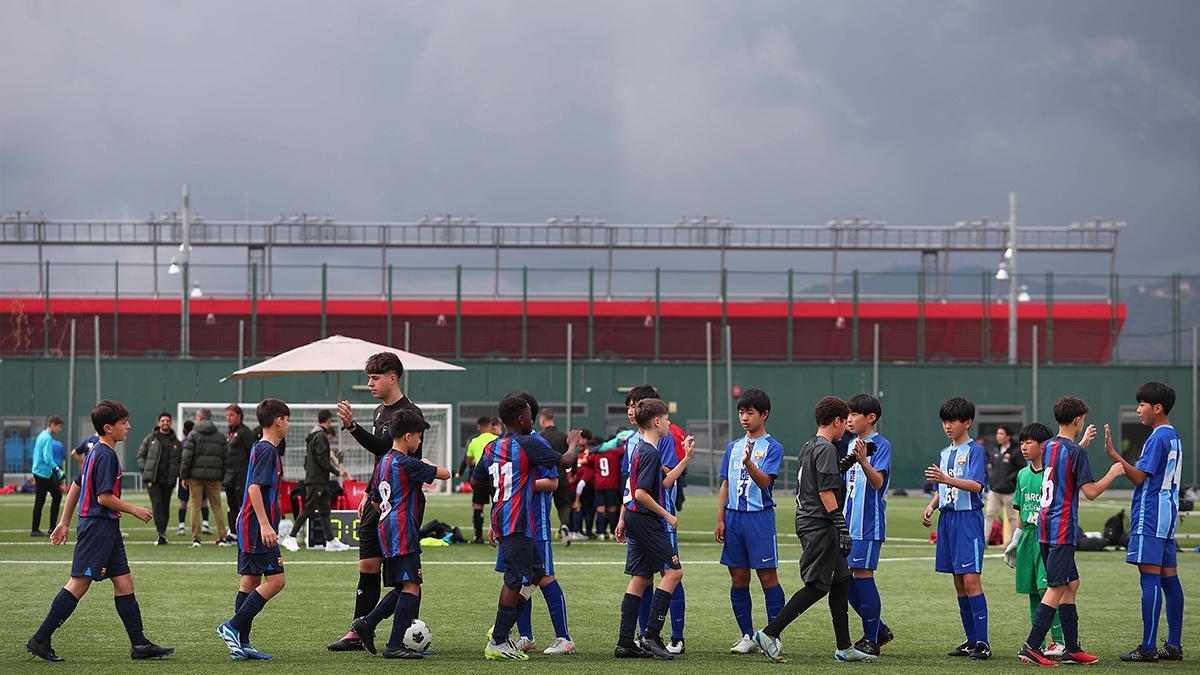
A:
(560, 646)
(336, 545)
(204, 528)
(179, 532)
(195, 543)
(524, 644)
(1054, 651)
(289, 543)
(744, 646)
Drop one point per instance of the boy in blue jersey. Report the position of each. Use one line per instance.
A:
(399, 477)
(1067, 474)
(1153, 516)
(746, 515)
(961, 474)
(260, 564)
(508, 469)
(866, 515)
(99, 550)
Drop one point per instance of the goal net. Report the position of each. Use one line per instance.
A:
(437, 439)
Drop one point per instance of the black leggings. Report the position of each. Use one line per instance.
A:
(46, 486)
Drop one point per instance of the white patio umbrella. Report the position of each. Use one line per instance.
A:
(336, 353)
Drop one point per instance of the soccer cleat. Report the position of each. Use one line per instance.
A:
(336, 545)
(253, 654)
(1079, 658)
(290, 544)
(365, 632)
(867, 647)
(962, 650)
(639, 641)
(772, 647)
(505, 651)
(884, 635)
(630, 651)
(401, 652)
(179, 532)
(1169, 652)
(37, 533)
(1035, 657)
(223, 543)
(204, 528)
(43, 651)
(744, 645)
(150, 651)
(564, 532)
(524, 644)
(349, 643)
(161, 541)
(1139, 655)
(195, 543)
(1054, 651)
(233, 640)
(853, 655)
(675, 646)
(559, 647)
(981, 652)
(657, 649)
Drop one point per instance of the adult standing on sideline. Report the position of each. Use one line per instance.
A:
(1004, 462)
(159, 457)
(201, 472)
(475, 448)
(562, 494)
(46, 474)
(318, 464)
(238, 440)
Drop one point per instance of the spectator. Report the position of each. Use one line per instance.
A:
(239, 439)
(188, 425)
(159, 457)
(318, 465)
(202, 469)
(1003, 464)
(562, 494)
(46, 475)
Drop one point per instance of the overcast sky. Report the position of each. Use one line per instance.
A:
(918, 113)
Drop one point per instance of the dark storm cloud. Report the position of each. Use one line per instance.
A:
(915, 112)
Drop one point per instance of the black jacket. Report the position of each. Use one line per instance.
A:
(1003, 465)
(156, 449)
(317, 465)
(203, 453)
(238, 441)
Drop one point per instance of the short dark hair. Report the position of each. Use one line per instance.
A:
(957, 409)
(511, 407)
(324, 416)
(54, 419)
(1157, 393)
(107, 412)
(188, 425)
(235, 408)
(495, 420)
(270, 410)
(1006, 429)
(830, 409)
(384, 363)
(165, 414)
(754, 399)
(1067, 408)
(528, 398)
(407, 421)
(642, 391)
(1035, 431)
(483, 420)
(865, 404)
(645, 410)
(586, 434)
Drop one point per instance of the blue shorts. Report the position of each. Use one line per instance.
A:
(1060, 564)
(864, 554)
(960, 542)
(520, 561)
(401, 569)
(750, 541)
(545, 550)
(265, 564)
(99, 550)
(1145, 549)
(650, 550)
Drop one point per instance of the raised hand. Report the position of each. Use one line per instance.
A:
(1089, 435)
(1108, 445)
(345, 413)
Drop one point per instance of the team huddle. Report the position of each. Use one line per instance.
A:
(841, 521)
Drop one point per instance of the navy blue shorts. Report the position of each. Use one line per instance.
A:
(959, 542)
(1146, 549)
(267, 563)
(609, 498)
(750, 541)
(864, 554)
(99, 550)
(649, 550)
(545, 550)
(1060, 564)
(520, 560)
(402, 569)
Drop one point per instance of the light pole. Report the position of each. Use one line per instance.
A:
(179, 265)
(1011, 257)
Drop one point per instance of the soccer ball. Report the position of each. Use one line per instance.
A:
(417, 637)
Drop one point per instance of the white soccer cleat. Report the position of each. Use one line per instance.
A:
(505, 651)
(525, 644)
(744, 646)
(179, 532)
(289, 543)
(560, 646)
(675, 646)
(770, 646)
(1054, 651)
(336, 545)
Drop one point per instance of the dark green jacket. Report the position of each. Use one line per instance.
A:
(203, 453)
(317, 465)
(154, 450)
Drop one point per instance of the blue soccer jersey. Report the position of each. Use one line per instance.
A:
(968, 462)
(668, 458)
(399, 478)
(744, 493)
(645, 473)
(543, 505)
(1066, 471)
(508, 464)
(1155, 507)
(264, 470)
(101, 473)
(866, 507)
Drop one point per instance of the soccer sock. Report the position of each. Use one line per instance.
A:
(477, 521)
(589, 520)
(659, 605)
(204, 514)
(368, 593)
(870, 606)
(525, 620)
(739, 599)
(838, 593)
(556, 602)
(854, 600)
(417, 609)
(131, 616)
(406, 610)
(60, 610)
(968, 621)
(385, 608)
(1069, 616)
(630, 607)
(801, 600)
(237, 604)
(1151, 604)
(678, 610)
(253, 604)
(182, 513)
(1056, 629)
(775, 602)
(1042, 619)
(601, 527)
(979, 612)
(505, 618)
(644, 610)
(1173, 594)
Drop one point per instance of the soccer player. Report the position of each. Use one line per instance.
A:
(399, 478)
(644, 524)
(508, 468)
(260, 564)
(384, 371)
(823, 534)
(1067, 474)
(475, 446)
(746, 515)
(99, 550)
(605, 463)
(866, 515)
(1153, 515)
(583, 482)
